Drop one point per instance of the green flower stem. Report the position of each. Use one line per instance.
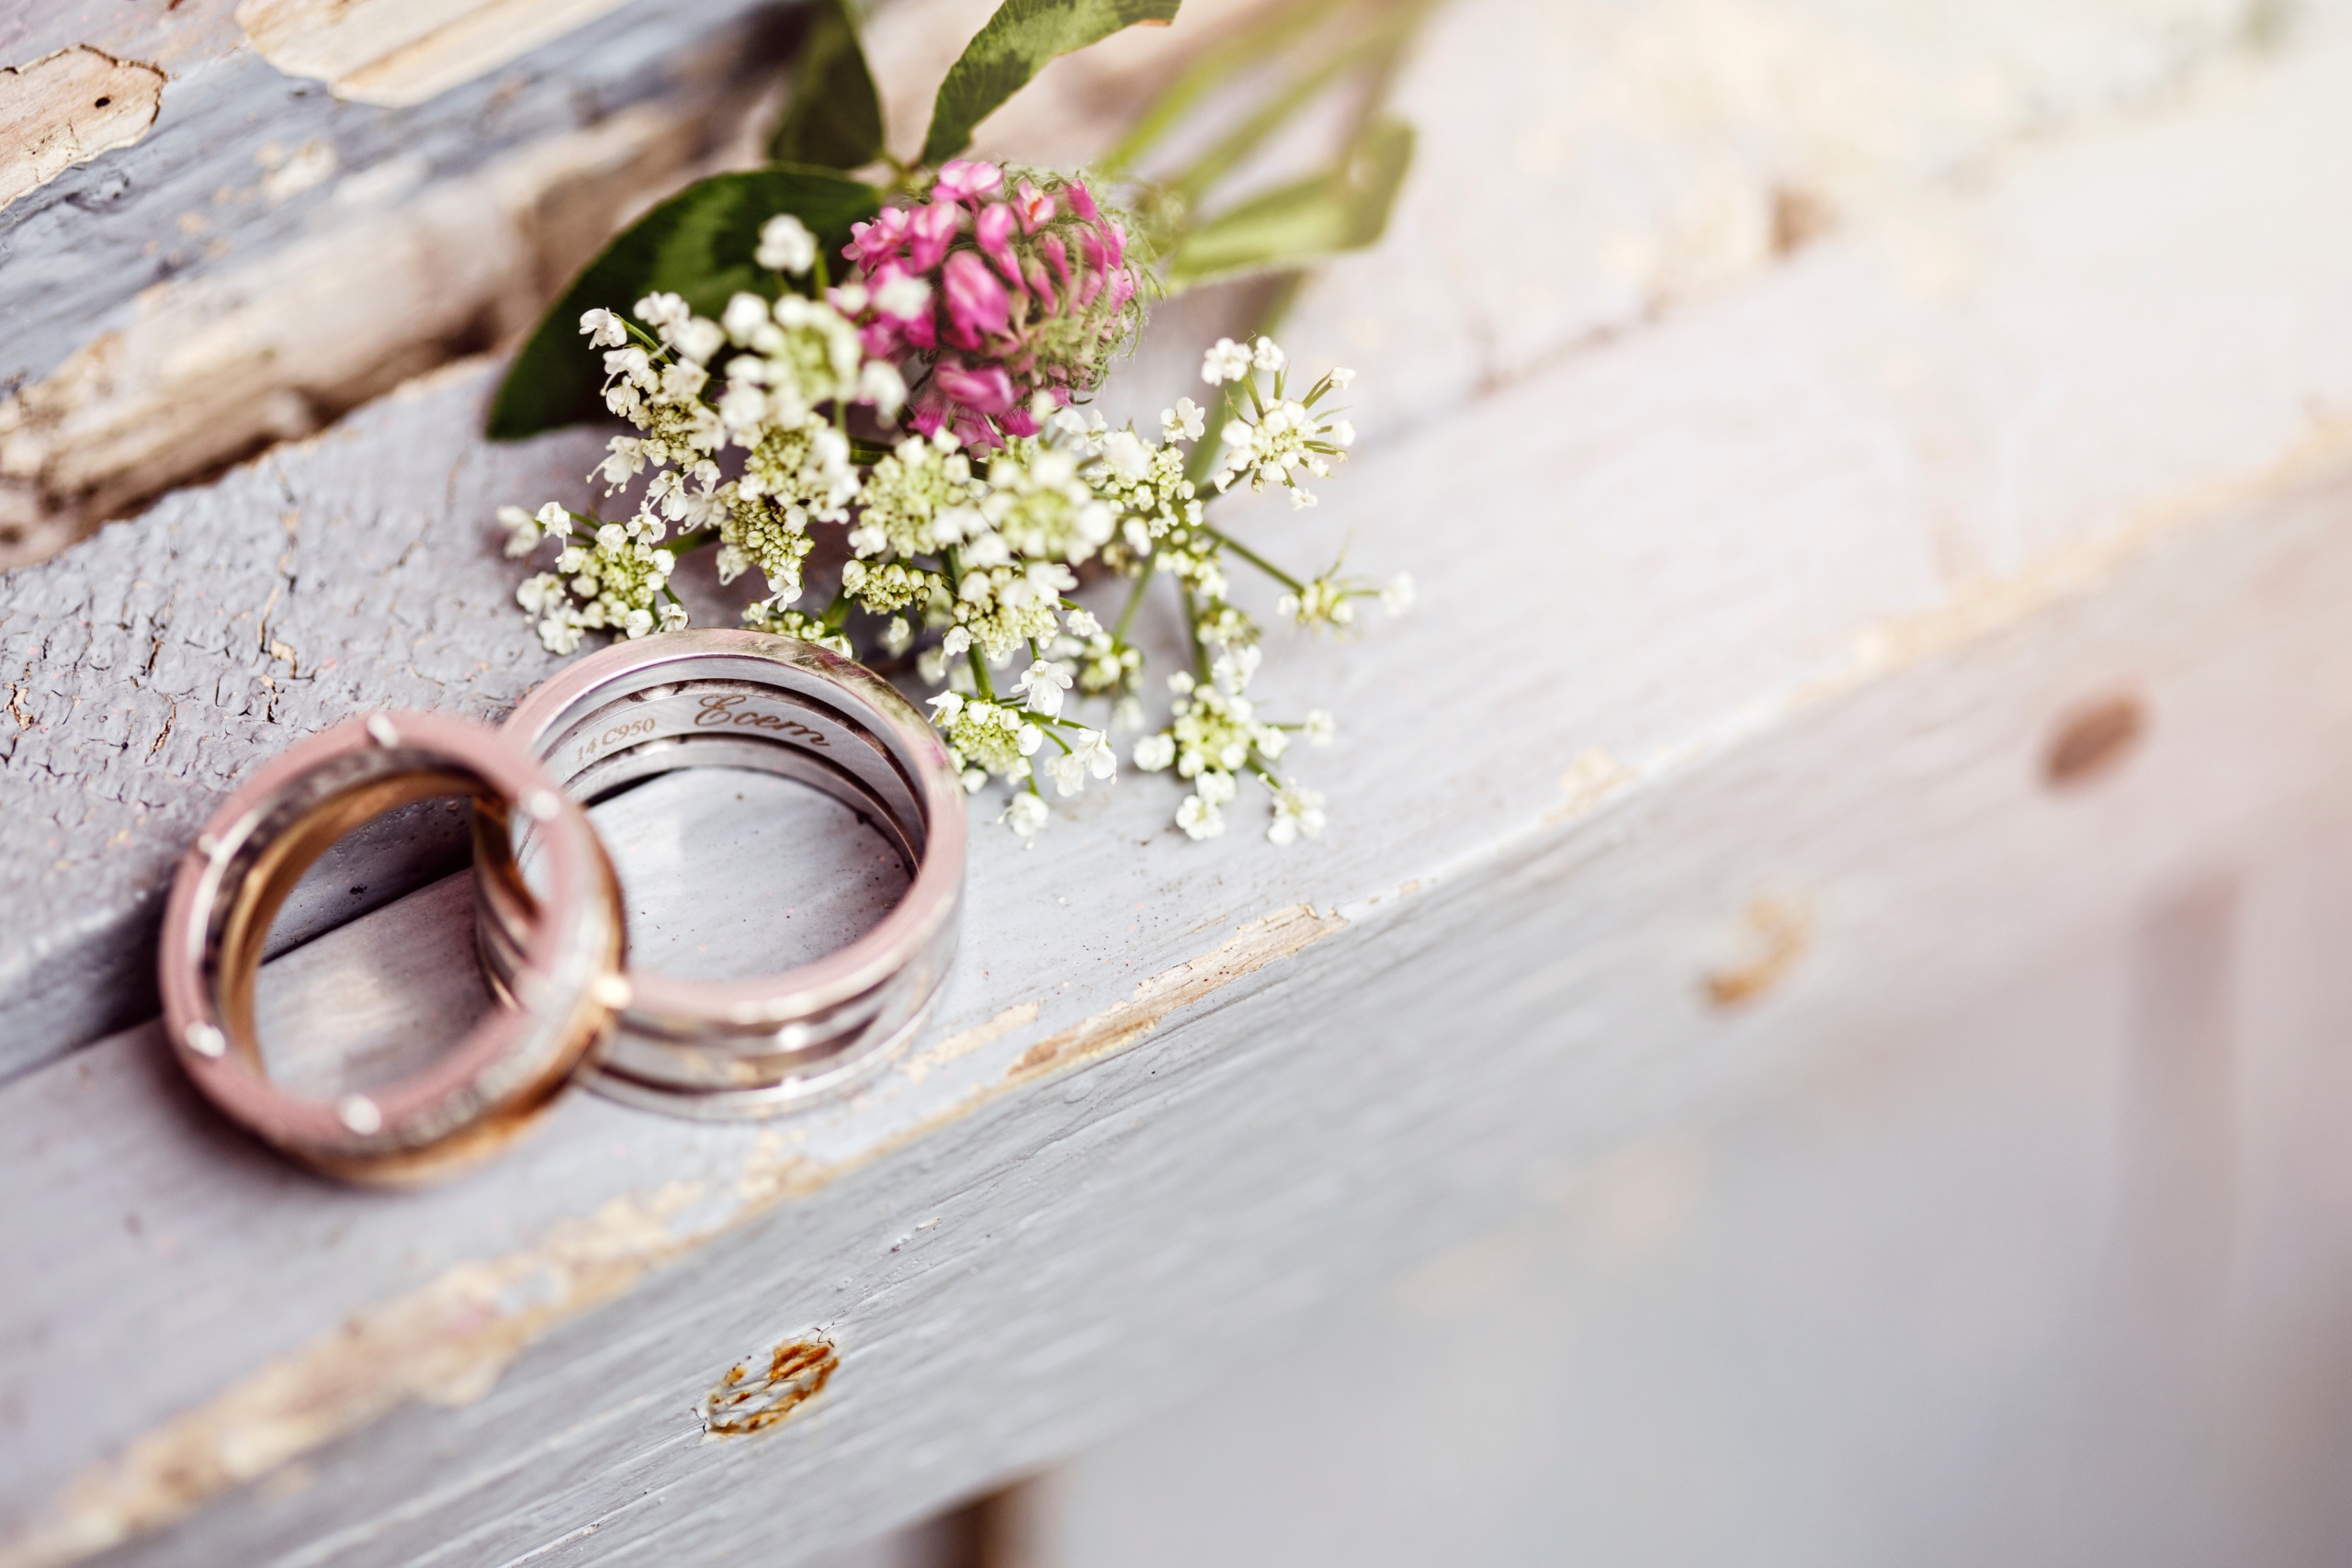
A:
(1254, 558)
(1135, 600)
(952, 566)
(687, 544)
(1277, 32)
(1192, 636)
(1271, 116)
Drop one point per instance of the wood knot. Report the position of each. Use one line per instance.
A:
(2092, 740)
(750, 1398)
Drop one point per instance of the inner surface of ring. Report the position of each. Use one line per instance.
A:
(273, 861)
(804, 874)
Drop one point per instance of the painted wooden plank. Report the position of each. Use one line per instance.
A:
(1293, 1074)
(1051, 1254)
(2055, 1272)
(333, 196)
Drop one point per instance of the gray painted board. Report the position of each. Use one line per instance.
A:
(1827, 561)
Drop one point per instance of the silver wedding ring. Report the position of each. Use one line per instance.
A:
(560, 970)
(743, 699)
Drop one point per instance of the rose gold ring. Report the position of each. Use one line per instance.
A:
(489, 1086)
(743, 699)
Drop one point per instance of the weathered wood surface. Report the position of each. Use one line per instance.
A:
(269, 252)
(2054, 1272)
(328, 196)
(1827, 556)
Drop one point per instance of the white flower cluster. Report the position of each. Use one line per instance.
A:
(610, 577)
(1281, 438)
(751, 430)
(1215, 735)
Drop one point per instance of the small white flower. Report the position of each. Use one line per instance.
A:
(944, 708)
(1236, 667)
(1267, 355)
(1027, 738)
(1127, 453)
(674, 618)
(662, 309)
(1154, 752)
(1398, 597)
(903, 296)
(1215, 787)
(603, 328)
(881, 385)
(1296, 810)
(540, 594)
(1185, 421)
(1228, 361)
(974, 779)
(1199, 819)
(637, 623)
(1068, 774)
(1082, 622)
(698, 339)
(559, 634)
(786, 246)
(1181, 683)
(1341, 432)
(522, 531)
(1043, 684)
(1340, 376)
(746, 313)
(1028, 814)
(1320, 727)
(957, 640)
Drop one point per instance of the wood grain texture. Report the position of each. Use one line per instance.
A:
(1827, 559)
(269, 254)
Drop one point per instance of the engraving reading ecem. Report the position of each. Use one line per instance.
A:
(726, 708)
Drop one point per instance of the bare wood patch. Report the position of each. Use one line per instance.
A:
(404, 52)
(744, 1402)
(2093, 740)
(1780, 933)
(218, 366)
(67, 108)
(1592, 778)
(1020, 1016)
(1255, 945)
(445, 1343)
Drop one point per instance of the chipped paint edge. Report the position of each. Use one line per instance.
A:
(448, 1342)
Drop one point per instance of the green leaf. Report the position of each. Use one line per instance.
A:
(1344, 209)
(835, 120)
(1019, 40)
(698, 244)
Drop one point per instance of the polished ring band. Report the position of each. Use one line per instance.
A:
(743, 699)
(489, 1086)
